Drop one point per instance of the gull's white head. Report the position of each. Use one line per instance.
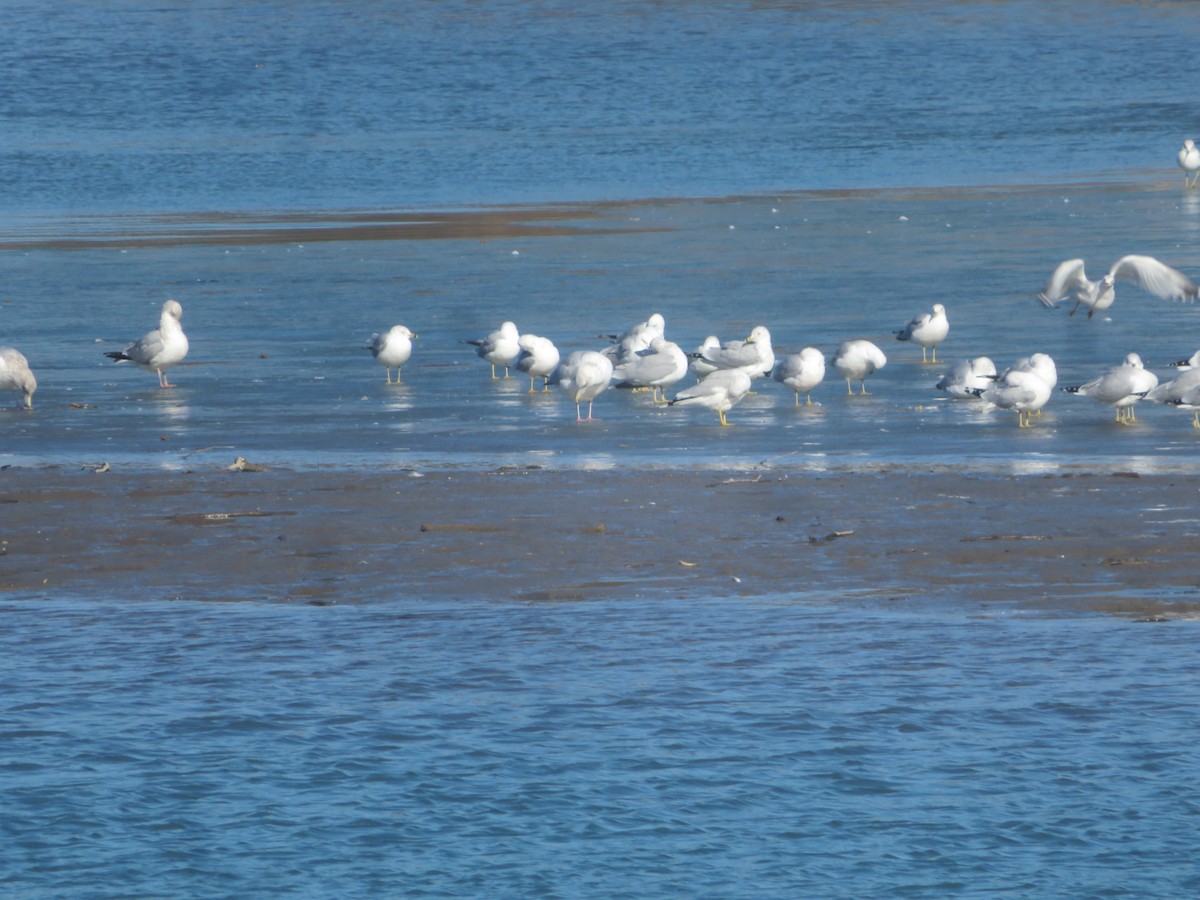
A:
(1132, 359)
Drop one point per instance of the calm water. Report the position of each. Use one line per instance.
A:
(674, 747)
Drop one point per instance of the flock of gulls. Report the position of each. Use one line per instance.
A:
(724, 372)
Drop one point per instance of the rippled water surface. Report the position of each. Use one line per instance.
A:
(772, 746)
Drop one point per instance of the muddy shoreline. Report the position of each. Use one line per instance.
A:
(1117, 544)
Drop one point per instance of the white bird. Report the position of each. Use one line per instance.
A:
(698, 365)
(160, 349)
(1145, 271)
(754, 355)
(928, 330)
(1189, 400)
(391, 349)
(855, 360)
(584, 376)
(1189, 160)
(657, 367)
(636, 339)
(16, 376)
(1040, 364)
(1192, 362)
(967, 376)
(719, 391)
(801, 372)
(1180, 391)
(539, 358)
(1020, 389)
(499, 348)
(1120, 387)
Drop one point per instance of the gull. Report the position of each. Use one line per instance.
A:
(657, 367)
(968, 375)
(636, 339)
(801, 372)
(754, 355)
(1145, 271)
(160, 349)
(1189, 399)
(16, 375)
(1020, 389)
(584, 376)
(1040, 364)
(499, 347)
(719, 391)
(1120, 387)
(391, 349)
(698, 365)
(1179, 391)
(1192, 362)
(539, 358)
(1189, 160)
(855, 360)
(928, 330)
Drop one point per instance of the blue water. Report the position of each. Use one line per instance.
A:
(836, 168)
(772, 748)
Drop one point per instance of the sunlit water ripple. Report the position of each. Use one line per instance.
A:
(776, 748)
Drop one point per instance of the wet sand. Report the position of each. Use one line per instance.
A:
(1118, 543)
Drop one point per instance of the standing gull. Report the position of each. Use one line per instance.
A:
(636, 339)
(584, 376)
(754, 355)
(967, 376)
(1189, 160)
(539, 358)
(719, 391)
(160, 349)
(1180, 391)
(1145, 271)
(855, 360)
(499, 348)
(928, 330)
(801, 372)
(391, 349)
(16, 376)
(697, 364)
(657, 367)
(1022, 390)
(1120, 387)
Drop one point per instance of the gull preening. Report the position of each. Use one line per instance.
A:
(801, 372)
(968, 376)
(855, 360)
(1189, 160)
(636, 339)
(754, 356)
(160, 349)
(1181, 391)
(1145, 271)
(1120, 387)
(539, 358)
(697, 364)
(657, 367)
(1192, 362)
(584, 376)
(499, 348)
(16, 375)
(928, 330)
(719, 391)
(392, 349)
(1025, 387)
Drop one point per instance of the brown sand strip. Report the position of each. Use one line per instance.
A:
(985, 543)
(224, 229)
